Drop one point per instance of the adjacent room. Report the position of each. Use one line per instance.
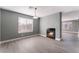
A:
(39, 29)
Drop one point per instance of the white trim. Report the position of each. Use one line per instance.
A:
(58, 39)
(17, 39)
(70, 32)
(24, 37)
(42, 35)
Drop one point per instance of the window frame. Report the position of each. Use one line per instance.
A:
(26, 24)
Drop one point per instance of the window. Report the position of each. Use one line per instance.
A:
(25, 25)
(67, 26)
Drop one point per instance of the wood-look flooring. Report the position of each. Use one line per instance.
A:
(39, 44)
(36, 44)
(71, 42)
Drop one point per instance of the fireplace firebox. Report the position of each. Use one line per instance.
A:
(51, 33)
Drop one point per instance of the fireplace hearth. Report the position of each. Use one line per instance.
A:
(51, 33)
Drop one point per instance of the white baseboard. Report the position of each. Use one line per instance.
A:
(42, 35)
(58, 39)
(17, 39)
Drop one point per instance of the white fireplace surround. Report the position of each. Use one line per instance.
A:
(58, 39)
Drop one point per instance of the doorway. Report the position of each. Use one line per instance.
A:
(70, 31)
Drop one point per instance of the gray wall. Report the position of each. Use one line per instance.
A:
(0, 24)
(75, 26)
(51, 21)
(73, 17)
(9, 25)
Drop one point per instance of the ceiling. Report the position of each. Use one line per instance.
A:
(41, 10)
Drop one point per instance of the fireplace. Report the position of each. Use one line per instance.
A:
(51, 33)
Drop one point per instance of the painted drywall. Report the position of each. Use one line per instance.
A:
(50, 21)
(73, 17)
(73, 27)
(9, 25)
(0, 24)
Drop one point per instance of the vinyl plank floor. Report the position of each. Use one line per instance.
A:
(36, 44)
